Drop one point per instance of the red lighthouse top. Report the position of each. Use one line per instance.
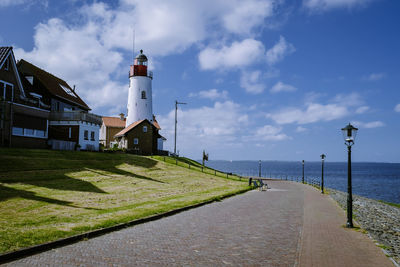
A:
(139, 67)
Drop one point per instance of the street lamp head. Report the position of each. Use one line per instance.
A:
(323, 156)
(349, 134)
(302, 161)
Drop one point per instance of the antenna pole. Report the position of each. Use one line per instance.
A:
(133, 45)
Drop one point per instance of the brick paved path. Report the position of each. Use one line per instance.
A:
(256, 228)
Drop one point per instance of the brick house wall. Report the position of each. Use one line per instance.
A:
(111, 131)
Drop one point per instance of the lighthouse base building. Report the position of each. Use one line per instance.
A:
(141, 133)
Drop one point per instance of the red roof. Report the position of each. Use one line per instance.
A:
(130, 127)
(114, 122)
(53, 84)
(136, 123)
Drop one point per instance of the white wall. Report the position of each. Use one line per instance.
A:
(90, 128)
(138, 108)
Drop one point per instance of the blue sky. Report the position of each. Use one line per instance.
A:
(263, 79)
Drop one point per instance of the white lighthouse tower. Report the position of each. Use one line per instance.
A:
(140, 104)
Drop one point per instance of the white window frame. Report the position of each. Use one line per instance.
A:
(25, 134)
(4, 89)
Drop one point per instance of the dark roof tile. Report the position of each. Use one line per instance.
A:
(52, 83)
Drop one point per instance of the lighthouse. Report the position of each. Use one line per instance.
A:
(140, 104)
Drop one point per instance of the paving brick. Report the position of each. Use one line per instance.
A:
(288, 225)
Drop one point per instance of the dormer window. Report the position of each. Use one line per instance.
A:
(67, 90)
(143, 94)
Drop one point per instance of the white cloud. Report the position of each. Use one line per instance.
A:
(397, 108)
(312, 113)
(368, 125)
(300, 129)
(281, 87)
(26, 3)
(270, 133)
(203, 127)
(6, 3)
(239, 54)
(173, 26)
(324, 5)
(362, 109)
(340, 106)
(351, 100)
(251, 81)
(279, 51)
(90, 52)
(246, 15)
(374, 77)
(76, 55)
(212, 94)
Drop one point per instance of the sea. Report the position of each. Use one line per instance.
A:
(379, 181)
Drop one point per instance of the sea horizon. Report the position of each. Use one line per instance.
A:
(376, 180)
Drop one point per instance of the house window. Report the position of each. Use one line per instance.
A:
(92, 136)
(135, 141)
(40, 133)
(6, 91)
(86, 135)
(18, 131)
(145, 129)
(143, 94)
(69, 132)
(28, 132)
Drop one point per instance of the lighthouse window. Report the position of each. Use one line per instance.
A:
(143, 94)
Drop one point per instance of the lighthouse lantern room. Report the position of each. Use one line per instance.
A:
(140, 105)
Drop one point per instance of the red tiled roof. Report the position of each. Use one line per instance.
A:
(155, 123)
(114, 122)
(52, 83)
(130, 127)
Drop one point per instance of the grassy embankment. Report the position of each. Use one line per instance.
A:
(47, 195)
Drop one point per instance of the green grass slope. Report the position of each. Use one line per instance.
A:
(46, 195)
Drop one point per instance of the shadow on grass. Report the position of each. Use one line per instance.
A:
(51, 170)
(8, 193)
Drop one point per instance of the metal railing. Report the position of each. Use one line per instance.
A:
(75, 116)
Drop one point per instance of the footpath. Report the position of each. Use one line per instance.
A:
(290, 224)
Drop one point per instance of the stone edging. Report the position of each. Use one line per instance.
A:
(380, 220)
(25, 252)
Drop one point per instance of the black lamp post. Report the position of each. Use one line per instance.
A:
(259, 168)
(349, 135)
(302, 179)
(322, 173)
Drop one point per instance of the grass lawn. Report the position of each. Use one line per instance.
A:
(46, 195)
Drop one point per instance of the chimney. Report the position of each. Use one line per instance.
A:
(73, 89)
(122, 116)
